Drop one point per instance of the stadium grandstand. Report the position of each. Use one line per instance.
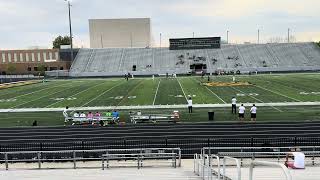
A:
(198, 108)
(279, 57)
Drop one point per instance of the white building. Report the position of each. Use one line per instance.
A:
(114, 33)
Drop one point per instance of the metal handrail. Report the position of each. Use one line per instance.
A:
(218, 163)
(266, 163)
(237, 163)
(94, 150)
(139, 157)
(201, 165)
(245, 148)
(38, 155)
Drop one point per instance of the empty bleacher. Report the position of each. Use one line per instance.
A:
(245, 57)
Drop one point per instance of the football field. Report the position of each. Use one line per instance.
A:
(277, 92)
(163, 91)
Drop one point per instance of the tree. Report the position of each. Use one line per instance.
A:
(318, 43)
(58, 41)
(41, 69)
(11, 68)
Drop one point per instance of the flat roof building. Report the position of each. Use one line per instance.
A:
(120, 33)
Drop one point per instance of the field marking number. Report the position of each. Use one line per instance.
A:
(62, 99)
(309, 93)
(8, 100)
(249, 94)
(121, 97)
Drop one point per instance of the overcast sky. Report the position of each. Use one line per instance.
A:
(26, 23)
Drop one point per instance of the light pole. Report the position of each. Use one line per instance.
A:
(288, 35)
(258, 36)
(192, 34)
(70, 29)
(160, 39)
(228, 37)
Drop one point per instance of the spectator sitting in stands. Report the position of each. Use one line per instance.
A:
(76, 114)
(299, 159)
(90, 116)
(108, 114)
(115, 115)
(83, 116)
(97, 114)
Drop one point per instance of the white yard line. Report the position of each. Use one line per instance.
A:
(182, 90)
(76, 94)
(39, 90)
(257, 99)
(41, 97)
(101, 94)
(213, 93)
(277, 93)
(280, 104)
(216, 95)
(155, 96)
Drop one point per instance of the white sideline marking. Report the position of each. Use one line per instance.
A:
(278, 93)
(182, 90)
(155, 96)
(280, 104)
(75, 94)
(216, 95)
(101, 94)
(257, 99)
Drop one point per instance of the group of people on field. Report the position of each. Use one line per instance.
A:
(242, 109)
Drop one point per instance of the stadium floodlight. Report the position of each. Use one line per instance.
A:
(70, 28)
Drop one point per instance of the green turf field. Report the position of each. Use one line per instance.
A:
(77, 93)
(162, 91)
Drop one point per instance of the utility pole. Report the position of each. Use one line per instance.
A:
(70, 29)
(193, 34)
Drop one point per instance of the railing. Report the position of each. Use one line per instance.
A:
(278, 155)
(140, 157)
(218, 164)
(238, 167)
(219, 150)
(76, 155)
(265, 163)
(201, 166)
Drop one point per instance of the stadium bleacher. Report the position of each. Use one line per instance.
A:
(244, 57)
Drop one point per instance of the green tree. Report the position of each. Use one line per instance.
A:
(58, 41)
(318, 43)
(41, 69)
(11, 68)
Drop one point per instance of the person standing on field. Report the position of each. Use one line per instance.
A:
(242, 110)
(253, 111)
(234, 105)
(190, 105)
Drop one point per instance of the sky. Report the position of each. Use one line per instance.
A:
(35, 23)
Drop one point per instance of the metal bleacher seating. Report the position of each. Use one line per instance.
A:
(149, 61)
